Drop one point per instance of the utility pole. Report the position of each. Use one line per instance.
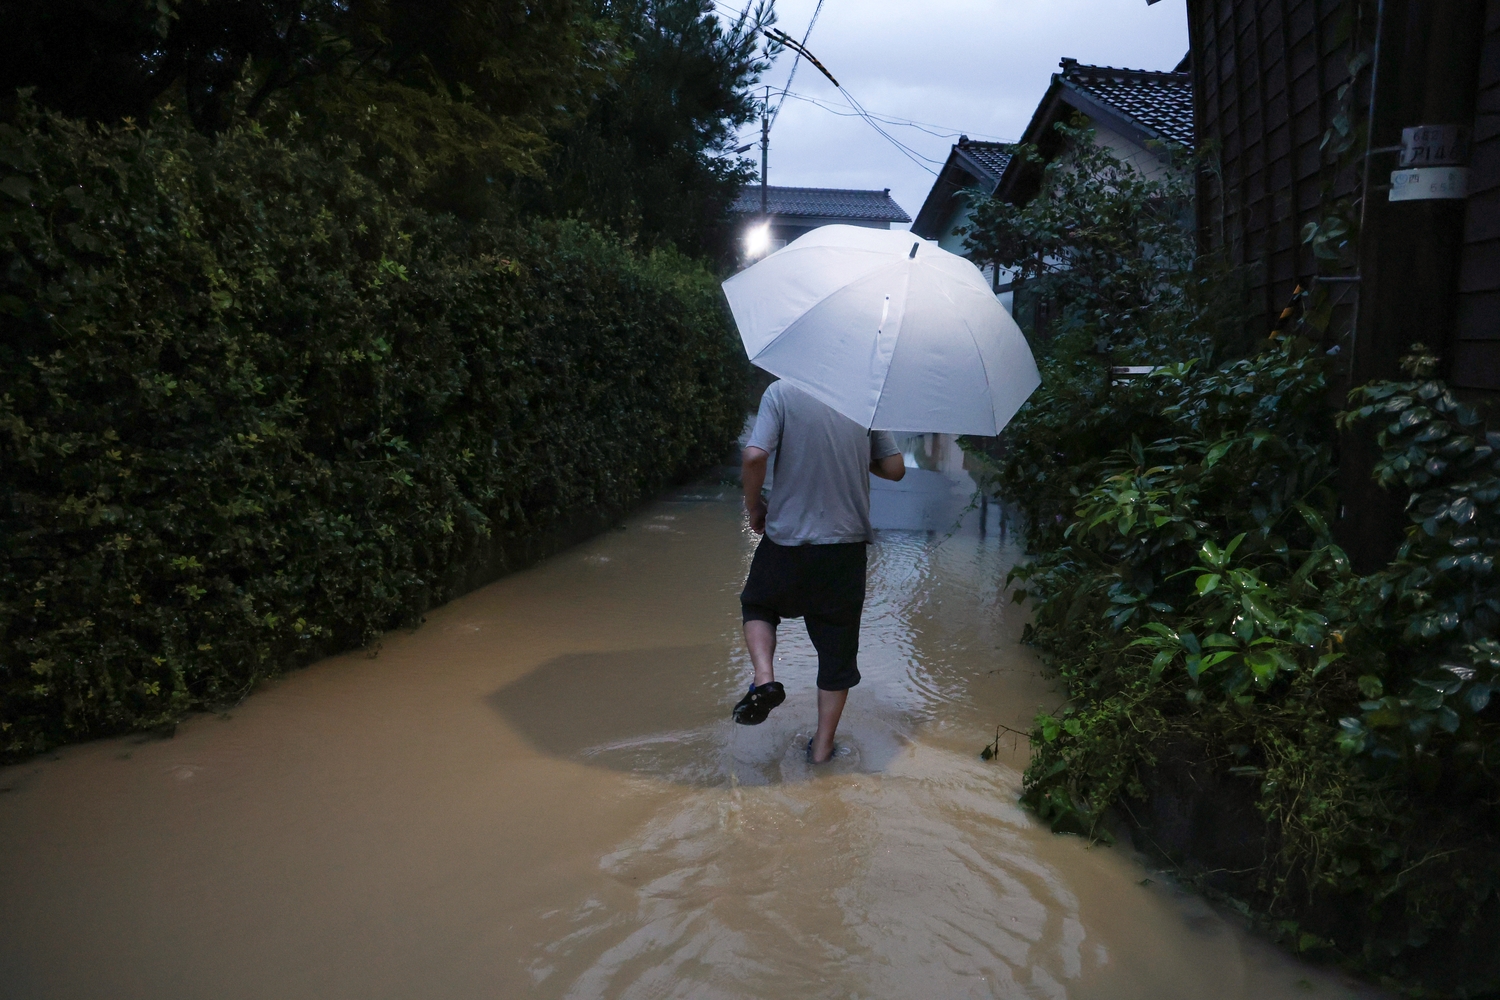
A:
(765, 115)
(765, 120)
(765, 147)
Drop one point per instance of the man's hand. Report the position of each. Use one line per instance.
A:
(753, 477)
(758, 518)
(892, 467)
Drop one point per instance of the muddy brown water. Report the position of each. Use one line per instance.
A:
(539, 794)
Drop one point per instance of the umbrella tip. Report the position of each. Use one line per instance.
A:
(913, 253)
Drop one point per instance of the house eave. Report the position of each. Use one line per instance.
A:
(960, 172)
(939, 203)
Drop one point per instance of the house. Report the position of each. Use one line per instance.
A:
(792, 211)
(971, 167)
(1274, 91)
(1139, 114)
(1142, 115)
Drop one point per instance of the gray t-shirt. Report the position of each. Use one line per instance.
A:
(820, 461)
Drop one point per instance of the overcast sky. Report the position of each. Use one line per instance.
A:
(973, 66)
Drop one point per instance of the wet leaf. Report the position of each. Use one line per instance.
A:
(1477, 698)
(1262, 665)
(1257, 607)
(1325, 660)
(17, 188)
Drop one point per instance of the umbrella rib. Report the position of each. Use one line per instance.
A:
(887, 376)
(984, 369)
(772, 342)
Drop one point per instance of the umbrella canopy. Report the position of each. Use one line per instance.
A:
(888, 329)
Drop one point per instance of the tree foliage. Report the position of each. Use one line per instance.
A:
(1106, 244)
(519, 65)
(651, 159)
(614, 111)
(1101, 239)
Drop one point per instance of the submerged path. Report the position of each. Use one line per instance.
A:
(539, 794)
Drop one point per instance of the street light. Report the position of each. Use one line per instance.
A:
(758, 240)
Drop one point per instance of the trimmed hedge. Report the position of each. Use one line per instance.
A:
(252, 410)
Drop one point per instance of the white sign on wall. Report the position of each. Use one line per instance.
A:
(1425, 183)
(1434, 146)
(1433, 158)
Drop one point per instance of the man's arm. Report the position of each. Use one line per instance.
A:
(753, 476)
(892, 467)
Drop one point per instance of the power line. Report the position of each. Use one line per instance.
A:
(927, 127)
(797, 61)
(857, 110)
(907, 151)
(728, 12)
(725, 8)
(907, 122)
(791, 43)
(800, 49)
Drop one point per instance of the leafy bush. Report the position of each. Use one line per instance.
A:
(1106, 246)
(1265, 661)
(1101, 239)
(1437, 606)
(1144, 601)
(253, 410)
(1222, 658)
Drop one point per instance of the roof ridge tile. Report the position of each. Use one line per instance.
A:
(828, 203)
(1161, 101)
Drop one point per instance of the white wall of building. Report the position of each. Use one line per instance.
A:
(1147, 161)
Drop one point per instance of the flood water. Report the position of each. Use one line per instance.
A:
(539, 793)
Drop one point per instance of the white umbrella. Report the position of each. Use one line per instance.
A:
(888, 329)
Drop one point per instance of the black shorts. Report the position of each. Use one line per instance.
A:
(823, 584)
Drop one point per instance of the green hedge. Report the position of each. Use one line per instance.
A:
(252, 410)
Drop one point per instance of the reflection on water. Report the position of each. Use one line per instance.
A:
(539, 793)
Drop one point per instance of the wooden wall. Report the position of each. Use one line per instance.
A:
(1476, 355)
(1266, 77)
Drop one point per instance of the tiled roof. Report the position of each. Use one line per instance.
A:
(1159, 101)
(822, 203)
(992, 156)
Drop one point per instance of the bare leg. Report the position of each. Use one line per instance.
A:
(760, 638)
(830, 708)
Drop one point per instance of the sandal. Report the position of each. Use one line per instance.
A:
(755, 706)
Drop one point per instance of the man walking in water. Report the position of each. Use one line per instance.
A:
(810, 563)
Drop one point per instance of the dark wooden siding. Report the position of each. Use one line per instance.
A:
(1476, 362)
(1266, 77)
